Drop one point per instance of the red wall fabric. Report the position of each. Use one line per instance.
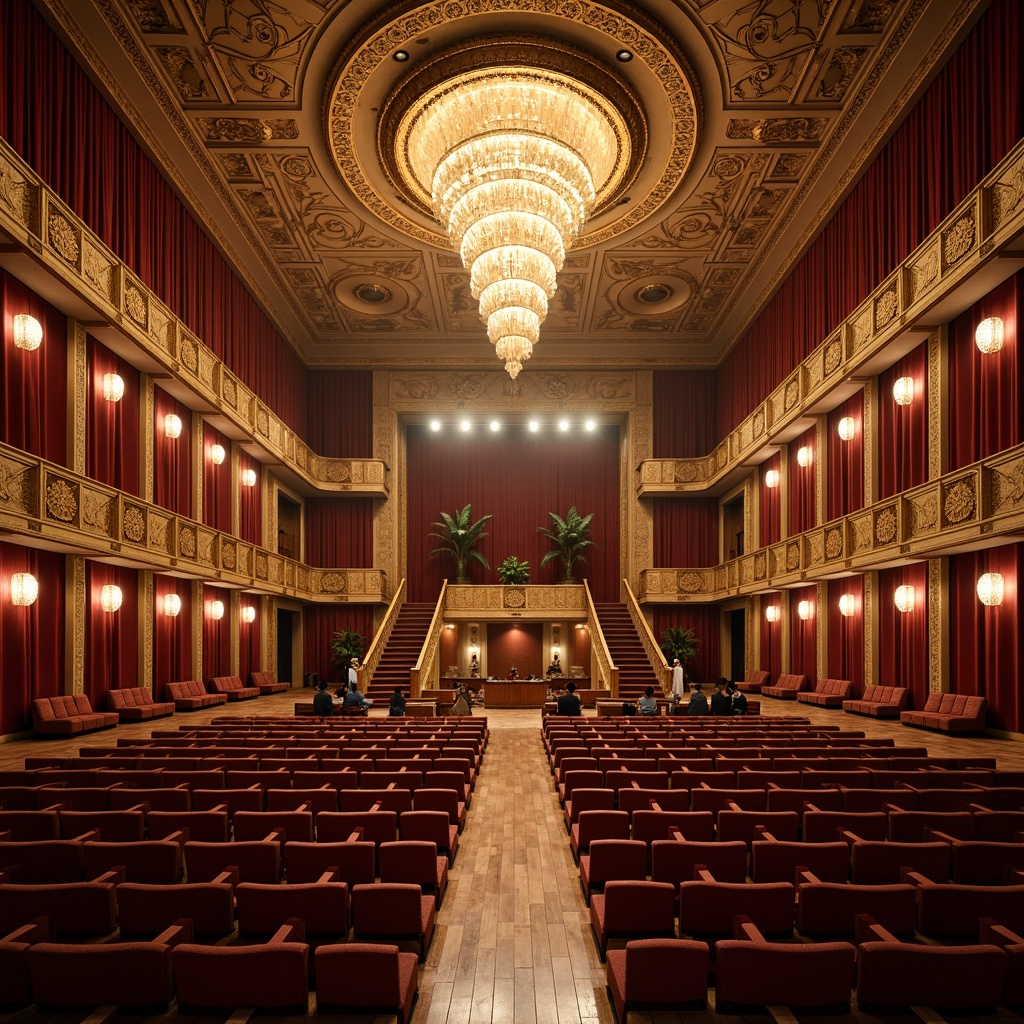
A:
(250, 505)
(685, 532)
(684, 413)
(769, 504)
(801, 492)
(771, 639)
(903, 429)
(319, 623)
(249, 657)
(340, 413)
(515, 643)
(172, 635)
(216, 635)
(339, 533)
(518, 478)
(31, 654)
(111, 428)
(803, 634)
(846, 633)
(216, 481)
(706, 621)
(903, 636)
(172, 457)
(986, 392)
(33, 413)
(111, 638)
(844, 484)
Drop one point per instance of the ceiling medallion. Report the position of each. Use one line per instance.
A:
(653, 294)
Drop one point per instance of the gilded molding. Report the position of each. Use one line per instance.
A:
(147, 612)
(147, 435)
(497, 602)
(77, 377)
(938, 629)
(937, 413)
(198, 609)
(74, 630)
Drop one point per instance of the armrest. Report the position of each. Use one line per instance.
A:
(992, 932)
(732, 805)
(633, 784)
(179, 931)
(92, 836)
(355, 836)
(808, 806)
(37, 930)
(5, 837)
(935, 836)
(377, 806)
(676, 834)
(805, 877)
(847, 836)
(230, 875)
(910, 877)
(115, 876)
(867, 929)
(744, 928)
(293, 930)
(655, 806)
(330, 875)
(702, 874)
(763, 835)
(275, 835)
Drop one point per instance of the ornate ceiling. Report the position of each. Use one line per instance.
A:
(267, 117)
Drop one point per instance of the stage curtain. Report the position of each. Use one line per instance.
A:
(966, 121)
(769, 504)
(518, 478)
(216, 481)
(216, 635)
(249, 657)
(684, 413)
(111, 428)
(172, 634)
(803, 634)
(172, 457)
(340, 413)
(32, 638)
(250, 505)
(58, 121)
(801, 491)
(685, 532)
(515, 643)
(339, 533)
(319, 623)
(771, 638)
(111, 638)
(33, 412)
(706, 621)
(986, 392)
(985, 642)
(903, 636)
(846, 633)
(844, 490)
(903, 429)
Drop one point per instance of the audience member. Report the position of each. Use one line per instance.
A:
(569, 703)
(721, 702)
(698, 702)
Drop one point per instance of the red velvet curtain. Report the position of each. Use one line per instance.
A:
(111, 428)
(986, 392)
(903, 429)
(903, 636)
(518, 478)
(706, 621)
(216, 635)
(249, 658)
(968, 119)
(685, 532)
(846, 632)
(771, 638)
(803, 633)
(684, 413)
(33, 413)
(340, 413)
(31, 638)
(250, 506)
(320, 622)
(801, 490)
(515, 643)
(172, 456)
(339, 532)
(216, 481)
(844, 484)
(770, 503)
(986, 654)
(111, 638)
(172, 634)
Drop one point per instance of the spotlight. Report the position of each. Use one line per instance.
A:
(400, 56)
(624, 56)
(464, 426)
(590, 426)
(495, 426)
(534, 426)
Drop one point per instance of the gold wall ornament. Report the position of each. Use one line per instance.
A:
(834, 543)
(64, 238)
(61, 501)
(885, 525)
(960, 501)
(957, 241)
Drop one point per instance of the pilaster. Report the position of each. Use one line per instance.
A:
(784, 630)
(870, 607)
(77, 399)
(234, 613)
(74, 624)
(820, 469)
(198, 612)
(938, 402)
(784, 494)
(147, 435)
(147, 611)
(821, 629)
(938, 625)
(869, 441)
(198, 450)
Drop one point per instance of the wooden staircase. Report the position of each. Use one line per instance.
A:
(628, 655)
(401, 653)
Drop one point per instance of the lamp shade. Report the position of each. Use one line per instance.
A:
(804, 457)
(847, 605)
(172, 425)
(172, 604)
(217, 454)
(904, 598)
(771, 613)
(847, 428)
(804, 609)
(988, 335)
(113, 387)
(216, 609)
(110, 598)
(771, 478)
(990, 588)
(248, 613)
(24, 589)
(28, 332)
(249, 477)
(903, 391)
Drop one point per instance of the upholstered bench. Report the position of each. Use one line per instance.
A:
(949, 712)
(232, 688)
(754, 683)
(190, 695)
(827, 693)
(136, 704)
(879, 702)
(787, 687)
(266, 683)
(68, 716)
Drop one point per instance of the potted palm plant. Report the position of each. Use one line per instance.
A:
(512, 571)
(680, 643)
(346, 645)
(459, 536)
(571, 537)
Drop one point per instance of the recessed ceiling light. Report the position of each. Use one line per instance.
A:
(435, 425)
(624, 56)
(400, 55)
(534, 426)
(464, 426)
(563, 425)
(495, 426)
(589, 425)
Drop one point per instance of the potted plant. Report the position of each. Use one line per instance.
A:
(459, 536)
(680, 643)
(346, 645)
(512, 571)
(571, 536)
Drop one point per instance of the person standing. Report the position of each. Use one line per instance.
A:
(677, 679)
(353, 673)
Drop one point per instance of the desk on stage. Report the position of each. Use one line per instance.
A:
(515, 693)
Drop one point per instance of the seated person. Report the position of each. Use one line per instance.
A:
(648, 703)
(396, 706)
(721, 702)
(698, 702)
(569, 703)
(738, 698)
(354, 699)
(323, 703)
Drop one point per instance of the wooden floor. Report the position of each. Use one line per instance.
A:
(513, 942)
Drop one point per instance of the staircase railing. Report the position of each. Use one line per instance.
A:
(426, 670)
(381, 637)
(661, 667)
(607, 673)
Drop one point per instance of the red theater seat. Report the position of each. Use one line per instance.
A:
(657, 974)
(632, 910)
(365, 979)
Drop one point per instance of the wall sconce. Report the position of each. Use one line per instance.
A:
(28, 332)
(110, 598)
(904, 598)
(772, 613)
(172, 426)
(249, 477)
(847, 428)
(113, 387)
(804, 609)
(24, 589)
(990, 589)
(217, 454)
(248, 614)
(771, 478)
(847, 605)
(804, 457)
(988, 335)
(216, 609)
(172, 604)
(903, 391)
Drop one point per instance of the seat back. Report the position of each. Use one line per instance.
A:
(639, 906)
(675, 862)
(829, 908)
(146, 910)
(322, 906)
(306, 862)
(709, 907)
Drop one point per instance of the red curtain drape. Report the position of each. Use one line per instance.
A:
(986, 656)
(216, 481)
(968, 119)
(33, 413)
(515, 643)
(801, 490)
(769, 503)
(339, 532)
(684, 413)
(771, 638)
(340, 413)
(111, 638)
(172, 456)
(31, 647)
(216, 635)
(844, 484)
(803, 633)
(320, 622)
(249, 658)
(250, 505)
(903, 429)
(706, 621)
(986, 392)
(518, 478)
(685, 532)
(846, 632)
(903, 636)
(172, 634)
(111, 428)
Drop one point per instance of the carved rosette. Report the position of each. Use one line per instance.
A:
(133, 524)
(760, 565)
(263, 421)
(333, 583)
(834, 543)
(228, 554)
(690, 583)
(684, 471)
(261, 566)
(135, 304)
(64, 238)
(886, 522)
(792, 394)
(958, 240)
(757, 424)
(960, 501)
(229, 390)
(886, 306)
(61, 500)
(189, 355)
(513, 597)
(187, 540)
(792, 556)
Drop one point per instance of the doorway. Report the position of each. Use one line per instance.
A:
(284, 645)
(737, 644)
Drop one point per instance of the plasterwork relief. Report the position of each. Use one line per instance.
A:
(18, 196)
(821, 632)
(147, 431)
(938, 632)
(74, 632)
(937, 387)
(77, 378)
(198, 611)
(266, 610)
(147, 611)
